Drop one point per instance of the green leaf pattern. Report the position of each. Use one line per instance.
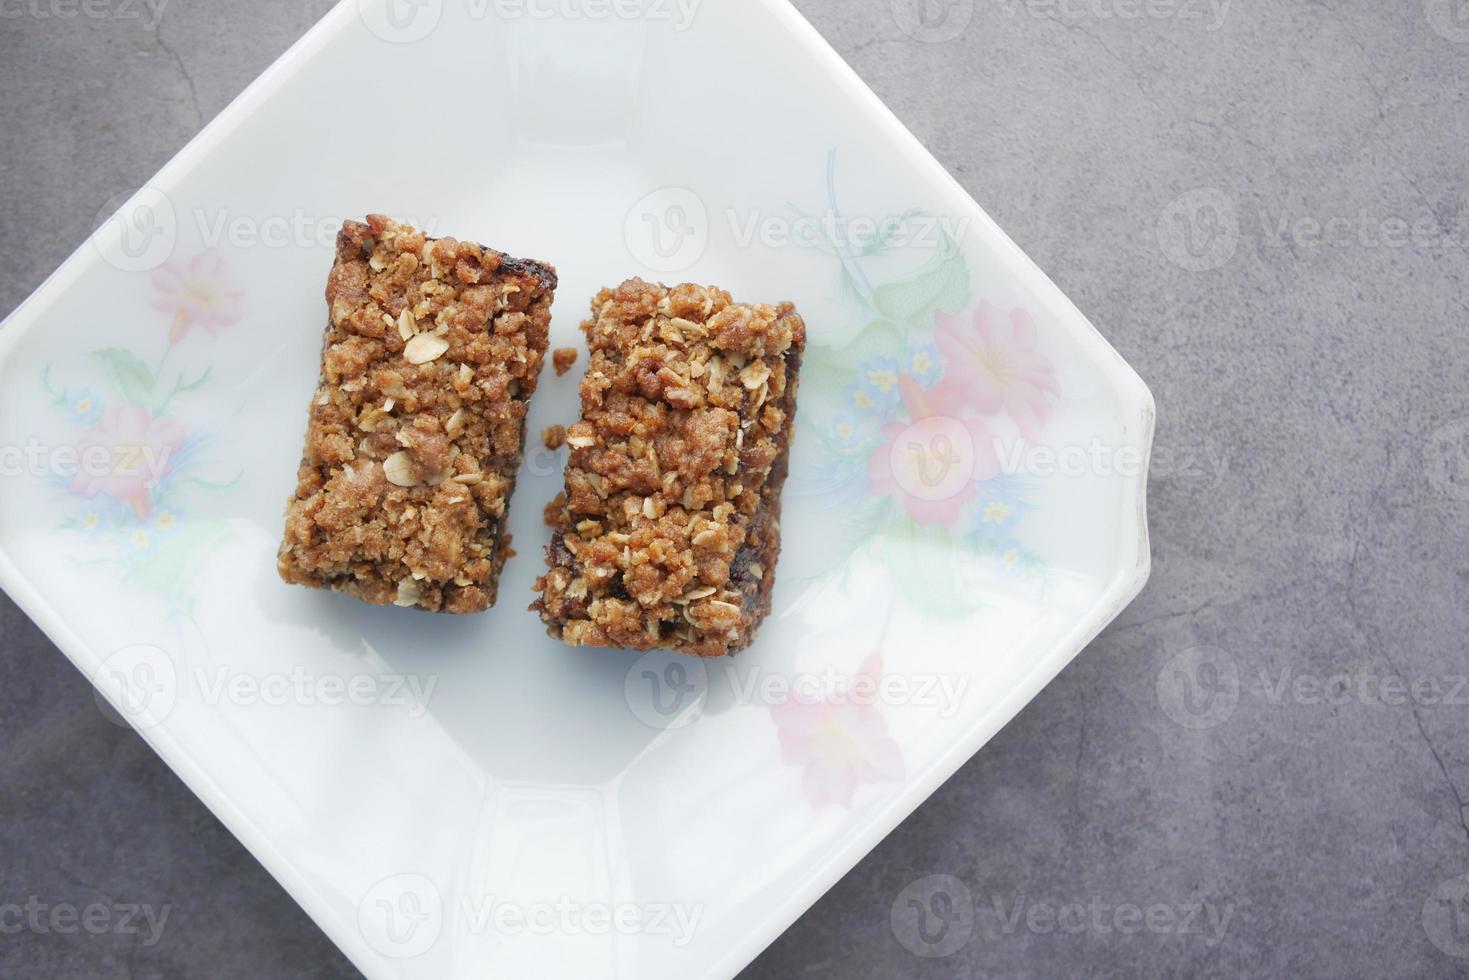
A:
(857, 397)
(152, 535)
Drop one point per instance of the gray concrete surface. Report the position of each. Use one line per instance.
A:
(1263, 206)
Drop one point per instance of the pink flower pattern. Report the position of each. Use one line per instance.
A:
(998, 367)
(140, 449)
(839, 744)
(931, 464)
(199, 293)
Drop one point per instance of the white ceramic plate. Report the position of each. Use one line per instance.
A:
(455, 797)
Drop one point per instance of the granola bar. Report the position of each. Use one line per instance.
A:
(668, 531)
(417, 429)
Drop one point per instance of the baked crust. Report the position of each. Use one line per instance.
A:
(668, 531)
(417, 427)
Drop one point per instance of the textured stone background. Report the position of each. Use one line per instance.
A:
(1263, 206)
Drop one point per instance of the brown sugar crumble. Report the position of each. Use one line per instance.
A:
(417, 427)
(553, 436)
(668, 531)
(562, 358)
(552, 512)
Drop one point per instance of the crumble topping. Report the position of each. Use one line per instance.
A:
(433, 348)
(668, 530)
(562, 358)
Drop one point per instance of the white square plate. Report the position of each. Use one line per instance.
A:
(462, 796)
